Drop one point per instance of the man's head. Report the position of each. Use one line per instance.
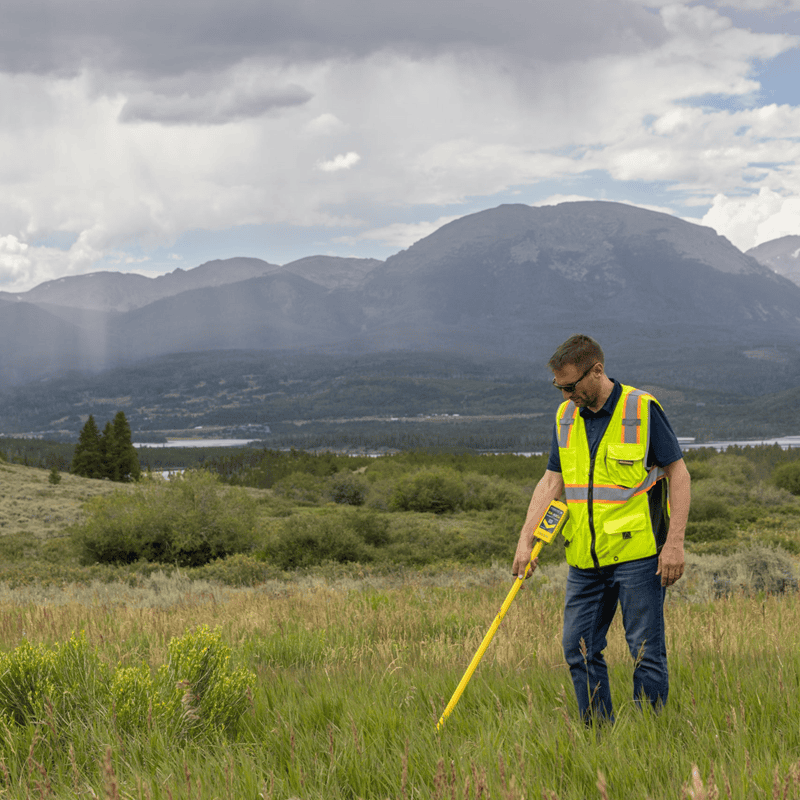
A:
(580, 351)
(578, 369)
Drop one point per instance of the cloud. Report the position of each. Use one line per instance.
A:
(23, 266)
(399, 235)
(13, 260)
(324, 125)
(750, 221)
(773, 6)
(340, 162)
(150, 37)
(211, 108)
(135, 122)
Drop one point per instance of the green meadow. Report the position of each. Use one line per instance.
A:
(333, 690)
(248, 678)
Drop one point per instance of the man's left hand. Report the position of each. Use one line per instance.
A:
(670, 564)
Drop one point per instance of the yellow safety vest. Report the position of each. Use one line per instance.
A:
(609, 514)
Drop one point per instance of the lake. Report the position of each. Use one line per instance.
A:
(198, 443)
(785, 442)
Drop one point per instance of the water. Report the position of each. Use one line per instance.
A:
(686, 443)
(198, 443)
(785, 442)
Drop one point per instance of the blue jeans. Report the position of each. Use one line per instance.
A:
(591, 602)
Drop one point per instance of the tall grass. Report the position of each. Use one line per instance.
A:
(349, 682)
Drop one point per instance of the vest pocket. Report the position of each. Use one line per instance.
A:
(623, 523)
(625, 464)
(626, 531)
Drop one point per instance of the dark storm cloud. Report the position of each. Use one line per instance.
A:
(153, 37)
(211, 108)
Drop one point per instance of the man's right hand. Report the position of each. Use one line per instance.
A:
(548, 488)
(521, 560)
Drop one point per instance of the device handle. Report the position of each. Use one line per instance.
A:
(476, 659)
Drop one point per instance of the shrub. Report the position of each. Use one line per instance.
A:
(202, 691)
(197, 692)
(711, 530)
(704, 509)
(304, 541)
(417, 542)
(133, 700)
(236, 570)
(347, 489)
(755, 569)
(437, 490)
(373, 528)
(486, 493)
(768, 569)
(699, 470)
(787, 477)
(65, 683)
(301, 487)
(189, 520)
(733, 468)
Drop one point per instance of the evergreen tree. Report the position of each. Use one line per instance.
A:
(122, 460)
(106, 449)
(88, 461)
(108, 455)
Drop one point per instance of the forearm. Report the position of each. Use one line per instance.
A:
(549, 488)
(680, 497)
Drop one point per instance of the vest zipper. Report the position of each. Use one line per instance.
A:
(590, 505)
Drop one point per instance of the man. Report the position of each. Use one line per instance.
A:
(618, 461)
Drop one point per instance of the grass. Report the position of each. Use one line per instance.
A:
(338, 676)
(32, 506)
(351, 680)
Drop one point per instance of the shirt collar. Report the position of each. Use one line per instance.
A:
(608, 407)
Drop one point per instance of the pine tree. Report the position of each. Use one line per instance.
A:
(108, 455)
(106, 449)
(122, 460)
(87, 461)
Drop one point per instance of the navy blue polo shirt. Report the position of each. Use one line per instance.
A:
(664, 449)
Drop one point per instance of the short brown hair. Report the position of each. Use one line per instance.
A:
(579, 350)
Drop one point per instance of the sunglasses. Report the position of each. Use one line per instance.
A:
(569, 388)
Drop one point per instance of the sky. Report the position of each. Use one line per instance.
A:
(147, 135)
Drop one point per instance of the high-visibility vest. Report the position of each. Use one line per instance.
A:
(609, 514)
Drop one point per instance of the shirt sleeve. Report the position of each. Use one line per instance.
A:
(554, 462)
(664, 447)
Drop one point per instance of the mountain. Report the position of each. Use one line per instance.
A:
(278, 311)
(331, 272)
(665, 297)
(36, 343)
(517, 280)
(781, 255)
(118, 291)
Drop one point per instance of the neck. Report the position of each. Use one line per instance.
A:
(606, 387)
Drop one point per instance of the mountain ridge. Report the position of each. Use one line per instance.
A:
(509, 282)
(782, 255)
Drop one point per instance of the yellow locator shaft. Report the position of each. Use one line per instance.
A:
(549, 526)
